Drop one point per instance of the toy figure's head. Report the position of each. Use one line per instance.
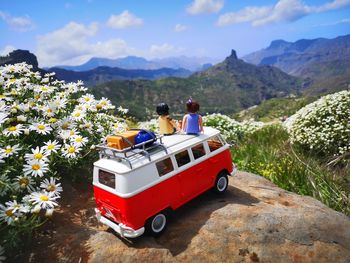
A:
(162, 109)
(192, 105)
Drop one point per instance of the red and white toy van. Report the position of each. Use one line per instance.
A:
(136, 187)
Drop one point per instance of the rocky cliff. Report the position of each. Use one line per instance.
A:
(254, 221)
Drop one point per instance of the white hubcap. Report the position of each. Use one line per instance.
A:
(222, 183)
(158, 223)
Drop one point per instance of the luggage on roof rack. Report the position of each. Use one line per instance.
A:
(133, 149)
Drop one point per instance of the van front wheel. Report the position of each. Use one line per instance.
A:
(156, 224)
(221, 183)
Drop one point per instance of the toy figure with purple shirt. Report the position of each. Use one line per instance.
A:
(192, 122)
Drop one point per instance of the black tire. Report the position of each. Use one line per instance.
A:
(221, 183)
(156, 225)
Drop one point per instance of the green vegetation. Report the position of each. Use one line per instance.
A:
(274, 109)
(268, 152)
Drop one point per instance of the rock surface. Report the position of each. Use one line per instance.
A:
(254, 221)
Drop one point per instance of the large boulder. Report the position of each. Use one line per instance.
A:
(255, 221)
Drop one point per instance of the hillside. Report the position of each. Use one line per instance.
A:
(324, 62)
(227, 87)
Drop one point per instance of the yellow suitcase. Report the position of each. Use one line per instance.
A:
(118, 142)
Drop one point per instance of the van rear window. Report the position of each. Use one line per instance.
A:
(214, 143)
(164, 166)
(198, 151)
(106, 178)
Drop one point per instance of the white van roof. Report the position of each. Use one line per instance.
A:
(172, 143)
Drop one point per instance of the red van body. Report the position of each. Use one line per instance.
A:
(134, 194)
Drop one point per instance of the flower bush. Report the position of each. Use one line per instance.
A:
(45, 125)
(231, 129)
(323, 125)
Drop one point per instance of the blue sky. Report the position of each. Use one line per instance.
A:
(71, 32)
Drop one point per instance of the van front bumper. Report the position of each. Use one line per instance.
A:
(121, 229)
(234, 171)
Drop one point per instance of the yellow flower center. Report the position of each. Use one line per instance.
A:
(77, 114)
(9, 212)
(2, 97)
(8, 150)
(51, 188)
(103, 103)
(23, 182)
(13, 92)
(98, 106)
(65, 126)
(49, 110)
(12, 69)
(12, 80)
(52, 120)
(41, 127)
(37, 97)
(51, 147)
(87, 98)
(71, 133)
(71, 149)
(44, 89)
(12, 128)
(35, 167)
(44, 198)
(38, 156)
(78, 139)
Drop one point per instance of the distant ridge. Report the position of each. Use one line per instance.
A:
(134, 62)
(325, 62)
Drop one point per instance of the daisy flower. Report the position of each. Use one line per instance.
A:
(51, 186)
(23, 182)
(3, 117)
(51, 146)
(13, 130)
(17, 208)
(122, 110)
(7, 215)
(65, 123)
(88, 98)
(41, 128)
(79, 140)
(78, 115)
(35, 168)
(9, 150)
(44, 199)
(37, 154)
(71, 151)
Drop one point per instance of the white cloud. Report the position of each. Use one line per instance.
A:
(180, 28)
(19, 23)
(71, 45)
(339, 22)
(164, 50)
(6, 50)
(124, 20)
(205, 7)
(282, 11)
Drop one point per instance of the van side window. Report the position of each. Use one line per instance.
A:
(164, 166)
(214, 143)
(182, 158)
(198, 151)
(106, 178)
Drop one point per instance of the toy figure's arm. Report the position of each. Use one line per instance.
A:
(184, 123)
(200, 122)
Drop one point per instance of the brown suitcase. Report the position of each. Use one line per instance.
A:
(118, 142)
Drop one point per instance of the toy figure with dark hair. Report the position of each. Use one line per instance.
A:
(192, 122)
(167, 125)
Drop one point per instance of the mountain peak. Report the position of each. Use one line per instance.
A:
(277, 43)
(18, 56)
(233, 54)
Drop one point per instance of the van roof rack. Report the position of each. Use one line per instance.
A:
(143, 148)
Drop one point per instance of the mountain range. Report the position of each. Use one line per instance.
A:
(227, 87)
(324, 62)
(133, 62)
